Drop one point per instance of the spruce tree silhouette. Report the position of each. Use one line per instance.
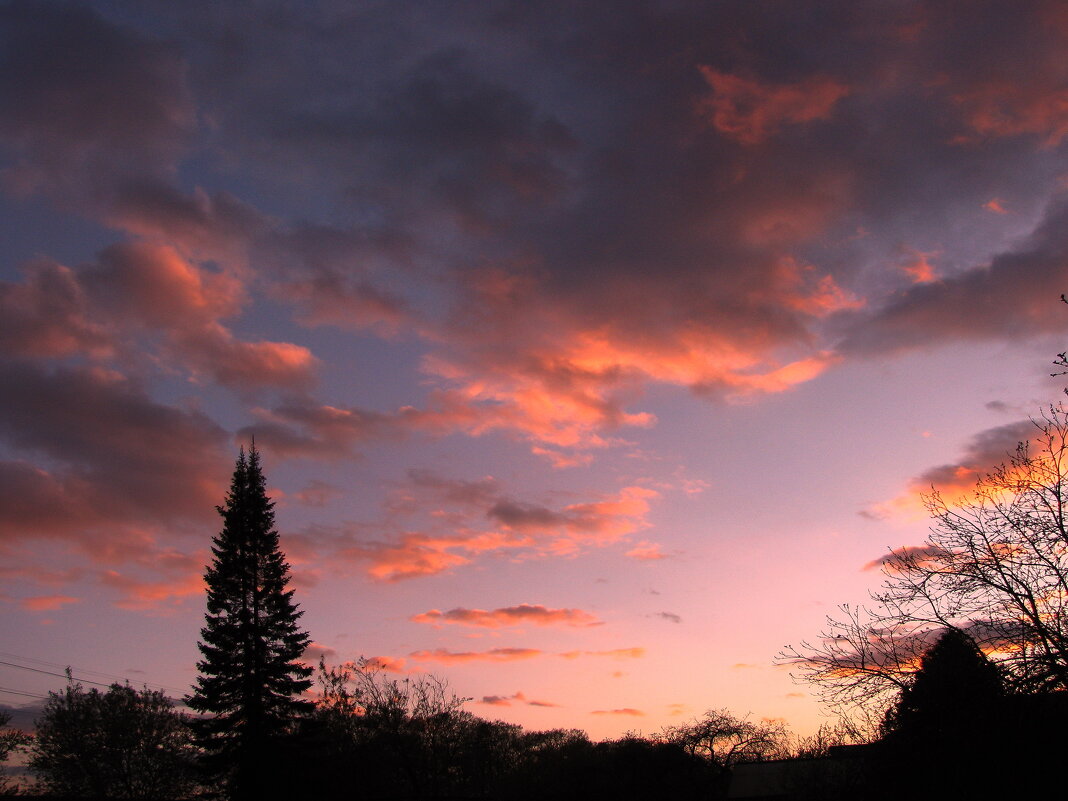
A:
(954, 681)
(249, 676)
(944, 732)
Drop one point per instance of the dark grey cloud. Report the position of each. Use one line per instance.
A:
(1016, 295)
(107, 452)
(86, 104)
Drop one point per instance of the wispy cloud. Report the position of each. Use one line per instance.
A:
(448, 657)
(509, 700)
(509, 616)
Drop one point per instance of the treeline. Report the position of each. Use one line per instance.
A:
(375, 737)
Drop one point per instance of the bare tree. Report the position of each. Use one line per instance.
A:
(995, 566)
(11, 742)
(413, 729)
(727, 740)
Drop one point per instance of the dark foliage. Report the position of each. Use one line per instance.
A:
(994, 565)
(11, 742)
(411, 739)
(957, 687)
(122, 743)
(250, 675)
(947, 727)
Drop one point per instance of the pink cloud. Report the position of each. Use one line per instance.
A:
(387, 664)
(317, 493)
(616, 653)
(913, 554)
(316, 651)
(143, 594)
(751, 112)
(448, 657)
(956, 480)
(100, 310)
(47, 315)
(214, 352)
(521, 530)
(1002, 108)
(48, 603)
(918, 267)
(327, 299)
(646, 551)
(111, 485)
(509, 616)
(323, 431)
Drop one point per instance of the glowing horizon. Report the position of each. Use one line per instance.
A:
(594, 355)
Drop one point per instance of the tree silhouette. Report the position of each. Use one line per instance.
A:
(955, 686)
(11, 741)
(946, 729)
(995, 565)
(251, 642)
(123, 743)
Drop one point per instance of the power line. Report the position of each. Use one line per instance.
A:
(20, 692)
(80, 673)
(85, 671)
(50, 673)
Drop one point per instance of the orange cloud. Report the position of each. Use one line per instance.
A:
(647, 551)
(926, 555)
(425, 555)
(564, 383)
(509, 616)
(448, 657)
(750, 112)
(387, 664)
(213, 351)
(637, 713)
(48, 603)
(995, 205)
(805, 291)
(1001, 108)
(524, 529)
(139, 593)
(919, 268)
(102, 309)
(617, 653)
(956, 481)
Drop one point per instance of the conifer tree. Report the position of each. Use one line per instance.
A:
(947, 726)
(249, 677)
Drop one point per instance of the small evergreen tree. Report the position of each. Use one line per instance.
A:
(955, 687)
(250, 677)
(947, 726)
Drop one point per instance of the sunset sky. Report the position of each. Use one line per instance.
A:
(595, 351)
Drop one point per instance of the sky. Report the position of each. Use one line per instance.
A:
(595, 352)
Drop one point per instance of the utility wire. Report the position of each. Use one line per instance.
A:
(85, 671)
(50, 673)
(77, 678)
(20, 692)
